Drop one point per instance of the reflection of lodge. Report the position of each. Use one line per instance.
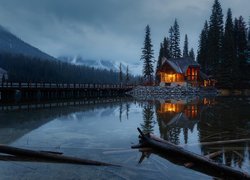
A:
(174, 116)
(190, 110)
(219, 119)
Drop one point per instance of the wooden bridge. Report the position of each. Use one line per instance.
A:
(11, 90)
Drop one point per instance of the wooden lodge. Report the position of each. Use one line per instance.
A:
(182, 72)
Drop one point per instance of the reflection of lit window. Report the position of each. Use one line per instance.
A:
(169, 107)
(193, 71)
(191, 111)
(206, 101)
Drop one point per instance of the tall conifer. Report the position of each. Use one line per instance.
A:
(166, 51)
(228, 67)
(147, 56)
(241, 49)
(176, 40)
(127, 78)
(120, 73)
(248, 43)
(171, 42)
(215, 36)
(202, 56)
(159, 63)
(191, 54)
(185, 48)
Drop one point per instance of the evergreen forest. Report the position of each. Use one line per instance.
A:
(27, 69)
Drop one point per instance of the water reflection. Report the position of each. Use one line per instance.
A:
(18, 119)
(208, 120)
(176, 115)
(228, 119)
(98, 124)
(148, 114)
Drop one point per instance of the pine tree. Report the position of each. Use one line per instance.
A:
(248, 55)
(176, 40)
(159, 63)
(240, 32)
(148, 56)
(127, 76)
(148, 115)
(215, 36)
(242, 40)
(248, 44)
(202, 56)
(120, 73)
(166, 51)
(191, 54)
(185, 48)
(171, 42)
(226, 73)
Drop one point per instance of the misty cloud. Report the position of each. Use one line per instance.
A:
(107, 29)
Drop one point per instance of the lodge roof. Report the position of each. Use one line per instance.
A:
(180, 65)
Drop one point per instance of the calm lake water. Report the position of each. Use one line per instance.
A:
(105, 129)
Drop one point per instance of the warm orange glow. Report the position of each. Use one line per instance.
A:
(192, 74)
(209, 83)
(191, 111)
(206, 101)
(168, 78)
(169, 107)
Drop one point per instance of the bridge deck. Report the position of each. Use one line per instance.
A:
(11, 90)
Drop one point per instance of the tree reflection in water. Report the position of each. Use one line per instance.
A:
(148, 115)
(228, 119)
(176, 115)
(214, 119)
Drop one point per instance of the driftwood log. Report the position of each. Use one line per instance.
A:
(180, 156)
(18, 154)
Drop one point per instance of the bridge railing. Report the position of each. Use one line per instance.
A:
(19, 85)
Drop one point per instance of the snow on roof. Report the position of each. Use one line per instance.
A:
(175, 66)
(180, 65)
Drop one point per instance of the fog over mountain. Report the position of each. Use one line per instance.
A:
(11, 44)
(134, 68)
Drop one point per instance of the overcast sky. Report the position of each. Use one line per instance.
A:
(107, 29)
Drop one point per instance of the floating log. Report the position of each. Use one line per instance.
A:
(19, 154)
(180, 156)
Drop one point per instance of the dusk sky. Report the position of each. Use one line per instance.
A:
(107, 29)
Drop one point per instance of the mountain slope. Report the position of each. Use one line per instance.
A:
(11, 44)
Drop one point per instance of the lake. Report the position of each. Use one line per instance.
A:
(105, 129)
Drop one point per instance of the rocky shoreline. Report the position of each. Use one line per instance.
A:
(149, 92)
